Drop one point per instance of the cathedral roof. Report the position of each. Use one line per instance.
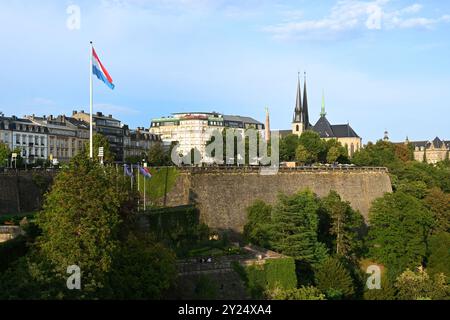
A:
(327, 130)
(323, 128)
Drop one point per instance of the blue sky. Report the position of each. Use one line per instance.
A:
(383, 64)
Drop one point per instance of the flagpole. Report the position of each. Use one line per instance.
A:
(145, 182)
(139, 187)
(91, 90)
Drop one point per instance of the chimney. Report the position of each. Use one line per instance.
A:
(74, 112)
(110, 116)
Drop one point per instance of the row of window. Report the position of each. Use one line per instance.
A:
(30, 128)
(22, 139)
(33, 152)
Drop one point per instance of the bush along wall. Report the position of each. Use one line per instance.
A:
(273, 273)
(177, 227)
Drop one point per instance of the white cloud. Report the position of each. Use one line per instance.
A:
(351, 15)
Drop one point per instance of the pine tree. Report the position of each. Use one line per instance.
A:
(334, 280)
(344, 225)
(295, 227)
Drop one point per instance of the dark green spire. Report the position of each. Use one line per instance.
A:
(322, 112)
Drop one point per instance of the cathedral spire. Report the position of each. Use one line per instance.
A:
(298, 104)
(305, 107)
(322, 112)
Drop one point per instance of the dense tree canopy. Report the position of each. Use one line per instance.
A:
(309, 148)
(420, 286)
(399, 229)
(80, 228)
(99, 140)
(302, 293)
(439, 254)
(288, 147)
(295, 225)
(257, 229)
(343, 224)
(86, 222)
(4, 154)
(334, 280)
(157, 156)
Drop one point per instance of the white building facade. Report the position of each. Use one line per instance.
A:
(30, 138)
(193, 130)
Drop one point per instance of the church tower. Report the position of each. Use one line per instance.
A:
(300, 121)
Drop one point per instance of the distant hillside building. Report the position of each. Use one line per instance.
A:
(109, 127)
(66, 136)
(138, 142)
(300, 123)
(194, 129)
(433, 151)
(24, 135)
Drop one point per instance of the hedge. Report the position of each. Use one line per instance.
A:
(273, 273)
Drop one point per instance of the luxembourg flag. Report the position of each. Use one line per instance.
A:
(100, 71)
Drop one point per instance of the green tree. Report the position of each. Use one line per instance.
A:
(257, 229)
(381, 154)
(439, 254)
(295, 225)
(344, 225)
(438, 203)
(302, 293)
(141, 269)
(399, 229)
(99, 140)
(419, 286)
(417, 189)
(157, 155)
(386, 292)
(80, 222)
(334, 280)
(302, 155)
(336, 152)
(314, 145)
(4, 154)
(432, 176)
(288, 147)
(404, 152)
